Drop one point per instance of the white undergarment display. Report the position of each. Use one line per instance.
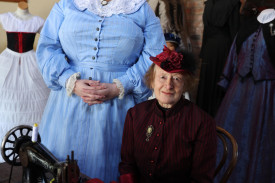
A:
(23, 93)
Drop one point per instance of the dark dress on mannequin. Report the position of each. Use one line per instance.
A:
(221, 22)
(248, 108)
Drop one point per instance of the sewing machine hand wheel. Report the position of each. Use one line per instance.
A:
(12, 142)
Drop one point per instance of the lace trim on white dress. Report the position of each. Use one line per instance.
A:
(113, 6)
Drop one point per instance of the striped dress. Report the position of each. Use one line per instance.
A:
(175, 145)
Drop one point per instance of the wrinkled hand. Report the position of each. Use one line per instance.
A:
(94, 92)
(87, 89)
(107, 90)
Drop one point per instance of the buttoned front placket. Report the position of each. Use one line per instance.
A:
(252, 55)
(96, 38)
(155, 147)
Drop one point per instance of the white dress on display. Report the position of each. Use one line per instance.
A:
(23, 93)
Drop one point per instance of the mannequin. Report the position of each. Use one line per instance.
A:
(20, 78)
(23, 5)
(22, 11)
(247, 109)
(15, 1)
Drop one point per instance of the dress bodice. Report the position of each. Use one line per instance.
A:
(257, 60)
(20, 33)
(116, 40)
(253, 60)
(20, 41)
(120, 45)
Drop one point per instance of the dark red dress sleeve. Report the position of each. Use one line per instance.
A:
(205, 148)
(127, 167)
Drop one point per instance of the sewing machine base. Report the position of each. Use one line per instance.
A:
(17, 172)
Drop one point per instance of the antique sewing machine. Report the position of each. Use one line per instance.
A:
(39, 164)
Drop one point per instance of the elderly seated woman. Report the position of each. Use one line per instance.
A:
(168, 139)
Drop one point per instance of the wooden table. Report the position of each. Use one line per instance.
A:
(5, 170)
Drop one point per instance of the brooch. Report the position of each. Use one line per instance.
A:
(149, 132)
(103, 2)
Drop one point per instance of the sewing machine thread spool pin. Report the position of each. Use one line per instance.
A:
(34, 132)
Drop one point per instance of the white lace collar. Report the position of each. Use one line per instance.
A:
(113, 7)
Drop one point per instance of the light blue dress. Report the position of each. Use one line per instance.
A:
(104, 48)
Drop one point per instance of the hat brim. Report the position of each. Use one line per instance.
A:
(171, 41)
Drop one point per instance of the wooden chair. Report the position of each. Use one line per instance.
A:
(227, 139)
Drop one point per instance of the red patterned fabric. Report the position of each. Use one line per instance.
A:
(177, 145)
(94, 181)
(128, 178)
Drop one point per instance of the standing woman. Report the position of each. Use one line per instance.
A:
(93, 55)
(221, 20)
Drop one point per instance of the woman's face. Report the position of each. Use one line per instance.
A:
(168, 87)
(171, 46)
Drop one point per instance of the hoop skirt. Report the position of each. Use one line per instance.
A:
(23, 93)
(248, 109)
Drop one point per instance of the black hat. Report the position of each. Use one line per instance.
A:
(173, 38)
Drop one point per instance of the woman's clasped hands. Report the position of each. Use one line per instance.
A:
(94, 92)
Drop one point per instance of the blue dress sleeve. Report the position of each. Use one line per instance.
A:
(50, 56)
(154, 42)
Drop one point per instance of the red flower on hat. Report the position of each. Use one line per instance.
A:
(163, 56)
(176, 58)
(170, 61)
